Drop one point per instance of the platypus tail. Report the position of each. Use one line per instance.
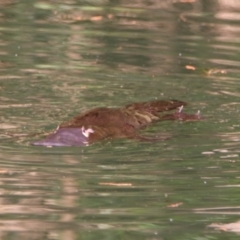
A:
(156, 106)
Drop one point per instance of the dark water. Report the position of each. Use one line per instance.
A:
(59, 58)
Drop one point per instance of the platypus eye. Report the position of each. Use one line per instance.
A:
(86, 132)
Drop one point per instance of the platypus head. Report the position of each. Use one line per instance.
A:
(66, 137)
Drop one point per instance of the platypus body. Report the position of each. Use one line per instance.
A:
(106, 123)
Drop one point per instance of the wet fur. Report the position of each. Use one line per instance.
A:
(122, 122)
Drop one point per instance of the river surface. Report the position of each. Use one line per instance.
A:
(59, 58)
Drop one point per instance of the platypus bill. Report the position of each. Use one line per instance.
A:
(108, 123)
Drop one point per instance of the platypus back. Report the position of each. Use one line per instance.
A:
(137, 115)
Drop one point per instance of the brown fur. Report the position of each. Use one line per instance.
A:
(122, 122)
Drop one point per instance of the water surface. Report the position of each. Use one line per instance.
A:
(59, 58)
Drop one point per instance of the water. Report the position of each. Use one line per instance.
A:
(59, 58)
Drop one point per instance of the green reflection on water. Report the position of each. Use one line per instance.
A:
(58, 59)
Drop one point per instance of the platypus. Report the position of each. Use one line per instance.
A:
(109, 123)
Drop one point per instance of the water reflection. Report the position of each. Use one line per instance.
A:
(59, 58)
